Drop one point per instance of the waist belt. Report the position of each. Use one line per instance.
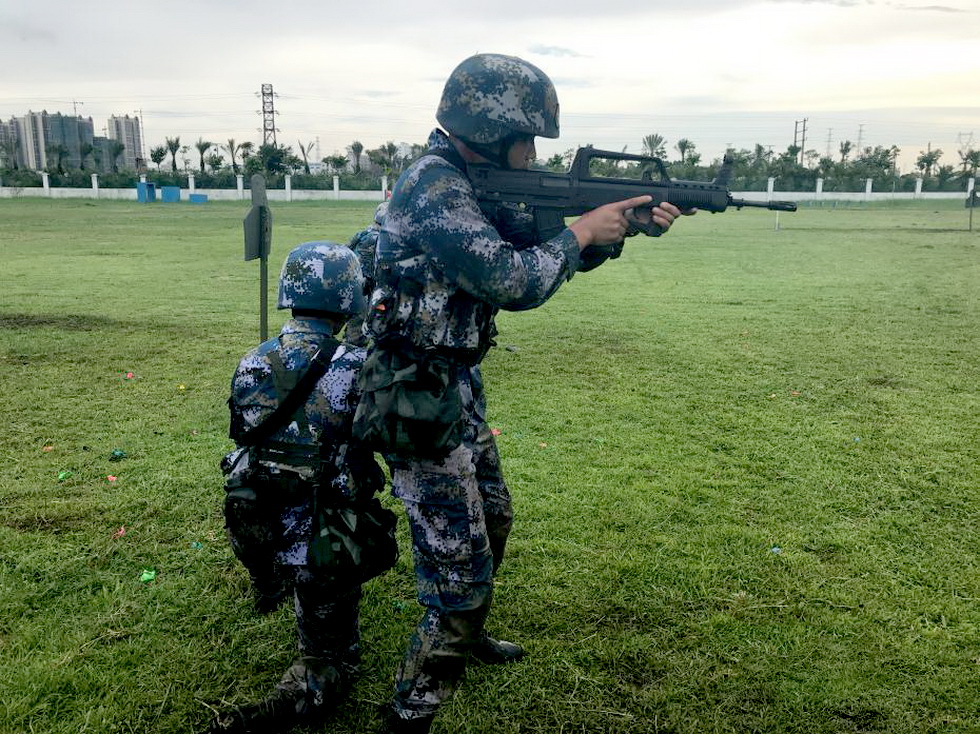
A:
(287, 454)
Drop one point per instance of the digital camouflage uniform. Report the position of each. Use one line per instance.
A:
(364, 244)
(269, 506)
(444, 268)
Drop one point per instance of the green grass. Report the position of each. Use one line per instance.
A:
(744, 467)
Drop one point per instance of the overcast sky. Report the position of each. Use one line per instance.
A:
(718, 72)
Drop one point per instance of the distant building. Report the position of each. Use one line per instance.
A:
(126, 130)
(102, 154)
(38, 139)
(43, 138)
(8, 145)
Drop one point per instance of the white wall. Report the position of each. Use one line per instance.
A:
(330, 195)
(9, 192)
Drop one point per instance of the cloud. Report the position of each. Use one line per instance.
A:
(555, 51)
(932, 8)
(568, 82)
(839, 3)
(16, 30)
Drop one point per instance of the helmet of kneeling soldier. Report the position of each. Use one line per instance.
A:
(490, 97)
(322, 276)
(380, 212)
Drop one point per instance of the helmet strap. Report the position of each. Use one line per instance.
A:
(496, 153)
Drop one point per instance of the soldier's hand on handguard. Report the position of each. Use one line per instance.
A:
(662, 215)
(608, 224)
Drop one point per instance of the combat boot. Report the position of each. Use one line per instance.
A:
(392, 723)
(490, 651)
(307, 693)
(279, 712)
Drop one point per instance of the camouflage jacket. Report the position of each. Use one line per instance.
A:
(270, 371)
(444, 266)
(364, 244)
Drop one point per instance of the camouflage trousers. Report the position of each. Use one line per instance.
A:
(459, 512)
(327, 620)
(327, 617)
(329, 642)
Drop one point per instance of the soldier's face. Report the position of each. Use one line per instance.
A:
(521, 153)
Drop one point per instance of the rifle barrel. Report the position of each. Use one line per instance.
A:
(779, 206)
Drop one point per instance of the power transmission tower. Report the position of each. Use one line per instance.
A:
(268, 116)
(799, 126)
(830, 135)
(860, 137)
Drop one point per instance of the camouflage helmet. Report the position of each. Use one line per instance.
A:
(489, 97)
(379, 213)
(322, 276)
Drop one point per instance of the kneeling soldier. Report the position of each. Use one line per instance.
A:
(292, 402)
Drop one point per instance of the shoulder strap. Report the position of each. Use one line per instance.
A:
(296, 397)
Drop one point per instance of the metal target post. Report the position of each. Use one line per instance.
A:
(971, 199)
(258, 244)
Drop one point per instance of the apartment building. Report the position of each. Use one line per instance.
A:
(33, 139)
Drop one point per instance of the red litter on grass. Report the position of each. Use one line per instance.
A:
(119, 533)
(111, 477)
(128, 376)
(495, 431)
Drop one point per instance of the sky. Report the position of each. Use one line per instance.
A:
(721, 73)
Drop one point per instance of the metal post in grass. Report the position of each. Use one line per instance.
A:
(971, 199)
(258, 244)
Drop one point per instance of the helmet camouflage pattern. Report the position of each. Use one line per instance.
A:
(491, 96)
(322, 276)
(379, 213)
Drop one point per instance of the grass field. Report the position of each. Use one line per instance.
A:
(743, 460)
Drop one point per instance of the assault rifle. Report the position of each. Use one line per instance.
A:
(553, 196)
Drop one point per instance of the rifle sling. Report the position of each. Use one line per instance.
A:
(293, 400)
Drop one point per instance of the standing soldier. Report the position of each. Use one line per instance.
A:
(365, 243)
(444, 268)
(292, 402)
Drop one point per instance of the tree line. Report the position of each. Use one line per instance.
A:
(217, 165)
(798, 170)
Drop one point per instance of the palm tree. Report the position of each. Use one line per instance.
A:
(232, 149)
(246, 148)
(391, 153)
(845, 149)
(305, 152)
(970, 159)
(683, 146)
(654, 145)
(202, 146)
(356, 148)
(173, 146)
(927, 159)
